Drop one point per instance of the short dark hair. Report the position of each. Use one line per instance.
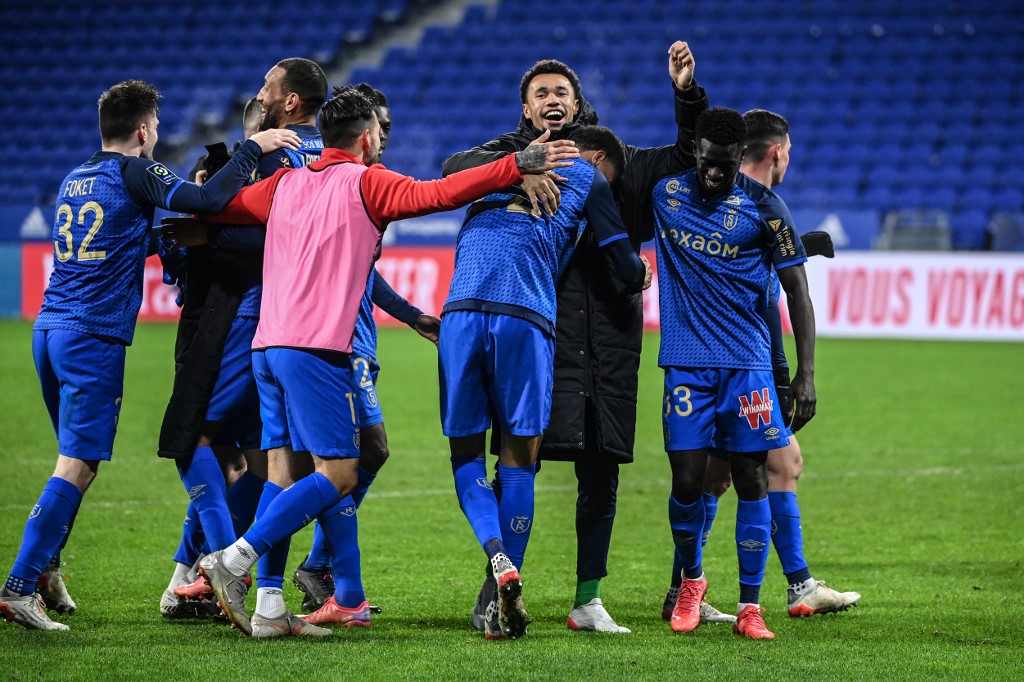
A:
(373, 93)
(721, 125)
(550, 66)
(764, 129)
(251, 114)
(125, 106)
(345, 116)
(599, 138)
(306, 79)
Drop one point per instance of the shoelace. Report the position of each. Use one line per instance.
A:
(689, 595)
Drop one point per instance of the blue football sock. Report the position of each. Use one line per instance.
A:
(753, 533)
(677, 567)
(687, 522)
(243, 499)
(341, 528)
(515, 510)
(193, 540)
(366, 479)
(787, 536)
(477, 501)
(45, 530)
(271, 565)
(55, 559)
(204, 482)
(710, 512)
(321, 551)
(291, 510)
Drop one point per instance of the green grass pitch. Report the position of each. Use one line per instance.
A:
(911, 495)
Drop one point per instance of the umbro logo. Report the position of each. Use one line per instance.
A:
(196, 492)
(484, 483)
(751, 545)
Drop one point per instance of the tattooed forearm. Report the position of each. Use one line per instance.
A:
(533, 158)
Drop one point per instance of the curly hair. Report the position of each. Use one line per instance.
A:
(599, 138)
(550, 66)
(125, 106)
(721, 125)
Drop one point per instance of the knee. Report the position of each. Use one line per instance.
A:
(373, 450)
(750, 477)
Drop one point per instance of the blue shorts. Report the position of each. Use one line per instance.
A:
(491, 364)
(734, 410)
(82, 377)
(307, 401)
(365, 371)
(235, 400)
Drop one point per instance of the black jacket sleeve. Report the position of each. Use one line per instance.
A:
(645, 166)
(485, 153)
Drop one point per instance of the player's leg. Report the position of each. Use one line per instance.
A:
(750, 423)
(304, 405)
(345, 602)
(597, 476)
(717, 480)
(689, 430)
(82, 378)
(466, 369)
(223, 496)
(520, 363)
(204, 475)
(465, 419)
(805, 595)
(315, 577)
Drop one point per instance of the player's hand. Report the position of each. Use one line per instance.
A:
(681, 65)
(648, 272)
(184, 231)
(542, 156)
(276, 138)
(805, 399)
(202, 176)
(429, 327)
(543, 192)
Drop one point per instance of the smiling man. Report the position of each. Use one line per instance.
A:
(719, 233)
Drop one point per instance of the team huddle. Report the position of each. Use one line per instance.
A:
(273, 421)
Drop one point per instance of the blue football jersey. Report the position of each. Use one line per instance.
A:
(508, 259)
(311, 150)
(715, 261)
(364, 342)
(101, 236)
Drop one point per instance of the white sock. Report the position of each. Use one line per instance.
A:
(239, 557)
(178, 577)
(742, 605)
(270, 602)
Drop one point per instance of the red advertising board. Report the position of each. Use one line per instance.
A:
(857, 294)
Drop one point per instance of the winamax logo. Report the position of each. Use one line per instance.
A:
(758, 409)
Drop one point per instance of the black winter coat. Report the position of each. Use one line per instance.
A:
(599, 329)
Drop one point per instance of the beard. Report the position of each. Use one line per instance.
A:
(271, 119)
